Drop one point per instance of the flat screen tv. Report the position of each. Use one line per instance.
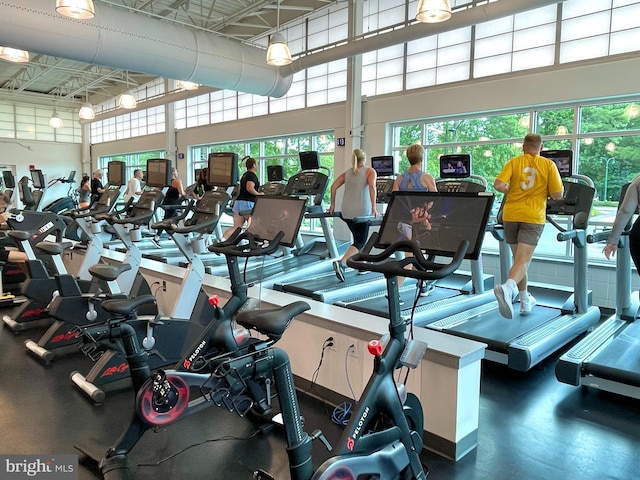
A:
(383, 165)
(37, 177)
(438, 221)
(563, 160)
(223, 169)
(309, 160)
(116, 173)
(271, 215)
(8, 179)
(72, 176)
(455, 166)
(275, 173)
(158, 172)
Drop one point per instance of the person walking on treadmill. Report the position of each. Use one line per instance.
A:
(626, 210)
(359, 199)
(527, 181)
(416, 180)
(249, 185)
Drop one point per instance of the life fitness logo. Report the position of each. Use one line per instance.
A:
(351, 441)
(188, 361)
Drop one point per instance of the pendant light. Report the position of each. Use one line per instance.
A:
(185, 85)
(126, 100)
(80, 9)
(14, 55)
(55, 121)
(433, 11)
(86, 111)
(278, 53)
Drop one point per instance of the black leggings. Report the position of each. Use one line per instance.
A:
(360, 232)
(634, 243)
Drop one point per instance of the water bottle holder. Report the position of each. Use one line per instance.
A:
(230, 393)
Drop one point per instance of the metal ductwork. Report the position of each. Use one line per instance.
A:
(128, 41)
(460, 18)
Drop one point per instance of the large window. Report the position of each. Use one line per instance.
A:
(605, 138)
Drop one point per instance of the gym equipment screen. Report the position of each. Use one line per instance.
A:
(275, 173)
(272, 215)
(563, 160)
(309, 160)
(223, 169)
(455, 166)
(8, 178)
(438, 221)
(37, 178)
(116, 173)
(158, 172)
(383, 165)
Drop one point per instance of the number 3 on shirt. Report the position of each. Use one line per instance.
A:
(530, 180)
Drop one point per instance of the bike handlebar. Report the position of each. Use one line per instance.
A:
(423, 269)
(245, 245)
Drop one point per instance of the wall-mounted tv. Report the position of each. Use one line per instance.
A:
(455, 166)
(158, 173)
(383, 165)
(116, 173)
(223, 169)
(309, 160)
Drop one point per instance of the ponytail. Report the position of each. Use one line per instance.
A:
(358, 156)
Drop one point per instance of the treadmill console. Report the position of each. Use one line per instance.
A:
(272, 189)
(459, 186)
(384, 187)
(307, 183)
(577, 201)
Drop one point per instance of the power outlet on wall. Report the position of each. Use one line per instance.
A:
(334, 347)
(354, 348)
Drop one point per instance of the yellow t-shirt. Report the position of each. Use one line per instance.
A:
(532, 179)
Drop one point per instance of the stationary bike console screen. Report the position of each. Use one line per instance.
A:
(158, 172)
(383, 165)
(272, 215)
(563, 160)
(223, 169)
(455, 166)
(37, 178)
(116, 173)
(438, 221)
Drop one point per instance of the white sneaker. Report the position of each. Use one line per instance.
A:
(527, 305)
(504, 295)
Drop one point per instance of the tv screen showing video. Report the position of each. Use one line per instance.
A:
(309, 160)
(437, 221)
(455, 166)
(563, 160)
(158, 172)
(37, 177)
(383, 165)
(275, 173)
(116, 173)
(223, 169)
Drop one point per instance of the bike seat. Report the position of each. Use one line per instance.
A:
(126, 306)
(108, 273)
(272, 322)
(53, 248)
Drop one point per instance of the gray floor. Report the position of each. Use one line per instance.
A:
(531, 427)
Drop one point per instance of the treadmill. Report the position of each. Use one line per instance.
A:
(449, 291)
(310, 183)
(608, 358)
(560, 315)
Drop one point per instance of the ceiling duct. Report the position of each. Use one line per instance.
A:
(134, 42)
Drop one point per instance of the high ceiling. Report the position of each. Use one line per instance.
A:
(46, 79)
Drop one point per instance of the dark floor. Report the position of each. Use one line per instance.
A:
(531, 427)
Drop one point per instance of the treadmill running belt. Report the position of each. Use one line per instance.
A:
(620, 360)
(380, 305)
(498, 332)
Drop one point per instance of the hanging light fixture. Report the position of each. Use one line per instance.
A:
(185, 85)
(278, 53)
(86, 112)
(14, 55)
(55, 121)
(126, 100)
(80, 9)
(433, 11)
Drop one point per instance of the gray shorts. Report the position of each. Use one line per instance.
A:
(520, 232)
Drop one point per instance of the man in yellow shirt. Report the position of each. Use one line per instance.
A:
(529, 180)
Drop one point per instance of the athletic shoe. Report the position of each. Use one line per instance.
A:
(504, 295)
(526, 306)
(427, 288)
(339, 269)
(156, 242)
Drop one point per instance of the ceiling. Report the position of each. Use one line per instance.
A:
(48, 80)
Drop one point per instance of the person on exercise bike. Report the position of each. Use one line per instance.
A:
(9, 255)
